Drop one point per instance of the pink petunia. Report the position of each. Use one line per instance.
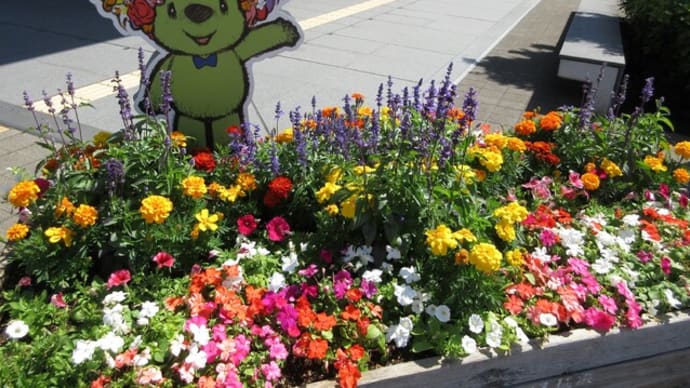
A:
(25, 281)
(599, 320)
(539, 187)
(271, 371)
(246, 224)
(608, 304)
(666, 265)
(163, 259)
(57, 300)
(574, 179)
(119, 278)
(277, 229)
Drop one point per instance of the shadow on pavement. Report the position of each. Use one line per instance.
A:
(38, 27)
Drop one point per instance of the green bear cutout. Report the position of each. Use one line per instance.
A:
(207, 46)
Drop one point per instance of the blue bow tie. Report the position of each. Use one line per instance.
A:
(199, 62)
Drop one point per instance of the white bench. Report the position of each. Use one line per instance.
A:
(593, 41)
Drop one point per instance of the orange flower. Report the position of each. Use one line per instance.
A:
(363, 326)
(348, 373)
(351, 313)
(324, 322)
(330, 111)
(513, 304)
(178, 139)
(85, 216)
(173, 302)
(681, 176)
(17, 232)
(551, 122)
(357, 96)
(246, 181)
(24, 193)
(356, 352)
(194, 186)
(525, 128)
(529, 115)
(353, 295)
(375, 310)
(317, 349)
(590, 181)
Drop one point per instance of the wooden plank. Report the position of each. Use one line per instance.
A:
(568, 353)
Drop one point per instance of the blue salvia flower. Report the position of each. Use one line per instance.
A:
(125, 107)
(429, 106)
(275, 162)
(470, 106)
(298, 137)
(348, 108)
(64, 114)
(446, 151)
(340, 133)
(417, 96)
(618, 98)
(143, 79)
(70, 84)
(71, 92)
(587, 110)
(389, 90)
(115, 175)
(379, 96)
(167, 98)
(278, 111)
(313, 104)
(374, 132)
(27, 101)
(406, 96)
(647, 90)
(48, 102)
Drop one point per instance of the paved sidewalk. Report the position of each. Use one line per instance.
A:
(517, 74)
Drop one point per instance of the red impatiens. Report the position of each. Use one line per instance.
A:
(119, 278)
(278, 190)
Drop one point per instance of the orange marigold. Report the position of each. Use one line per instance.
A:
(681, 176)
(551, 121)
(85, 216)
(17, 232)
(246, 181)
(590, 181)
(155, 209)
(64, 207)
(194, 186)
(683, 149)
(525, 128)
(24, 193)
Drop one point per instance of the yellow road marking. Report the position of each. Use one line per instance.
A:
(105, 88)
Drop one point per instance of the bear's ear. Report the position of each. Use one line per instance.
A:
(129, 16)
(258, 11)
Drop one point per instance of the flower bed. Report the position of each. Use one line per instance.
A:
(360, 236)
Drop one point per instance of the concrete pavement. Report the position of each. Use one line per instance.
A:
(356, 53)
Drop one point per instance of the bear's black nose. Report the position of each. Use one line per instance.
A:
(198, 13)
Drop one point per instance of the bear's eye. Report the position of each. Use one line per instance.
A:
(223, 6)
(172, 12)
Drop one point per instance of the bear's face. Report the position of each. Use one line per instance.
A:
(198, 27)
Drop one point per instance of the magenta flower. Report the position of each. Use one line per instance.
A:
(163, 259)
(644, 256)
(666, 265)
(632, 316)
(310, 271)
(608, 304)
(246, 224)
(368, 288)
(326, 256)
(574, 179)
(683, 201)
(578, 266)
(219, 334)
(277, 229)
(539, 187)
(58, 301)
(287, 318)
(624, 291)
(547, 238)
(598, 319)
(212, 351)
(119, 278)
(271, 371)
(341, 283)
(25, 281)
(242, 348)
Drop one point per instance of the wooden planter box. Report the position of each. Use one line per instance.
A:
(657, 354)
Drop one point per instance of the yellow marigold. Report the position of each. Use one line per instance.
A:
(23, 194)
(440, 240)
(462, 256)
(681, 176)
(590, 181)
(214, 188)
(505, 230)
(363, 169)
(682, 149)
(348, 207)
(464, 235)
(332, 210)
(155, 209)
(611, 168)
(326, 192)
(246, 181)
(195, 232)
(496, 139)
(511, 213)
(65, 206)
(207, 221)
(57, 234)
(334, 175)
(364, 111)
(590, 167)
(285, 137)
(655, 163)
(194, 186)
(385, 111)
(101, 138)
(231, 193)
(178, 139)
(85, 216)
(551, 121)
(516, 144)
(514, 257)
(465, 173)
(491, 159)
(485, 257)
(17, 232)
(525, 128)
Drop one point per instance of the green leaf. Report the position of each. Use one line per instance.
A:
(421, 345)
(374, 332)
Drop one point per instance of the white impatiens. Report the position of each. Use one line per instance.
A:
(110, 342)
(409, 274)
(83, 351)
(671, 299)
(372, 275)
(548, 319)
(114, 298)
(276, 282)
(404, 294)
(392, 253)
(400, 333)
(17, 329)
(148, 310)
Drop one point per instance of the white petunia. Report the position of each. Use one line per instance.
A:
(548, 319)
(149, 309)
(114, 298)
(197, 358)
(142, 358)
(671, 300)
(430, 309)
(409, 274)
(541, 254)
(349, 254)
(276, 282)
(602, 266)
(364, 254)
(200, 332)
(111, 342)
(400, 333)
(405, 294)
(136, 342)
(17, 329)
(392, 253)
(469, 345)
(631, 220)
(476, 323)
(493, 338)
(373, 276)
(510, 321)
(83, 351)
(442, 313)
(247, 251)
(387, 267)
(289, 262)
(417, 306)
